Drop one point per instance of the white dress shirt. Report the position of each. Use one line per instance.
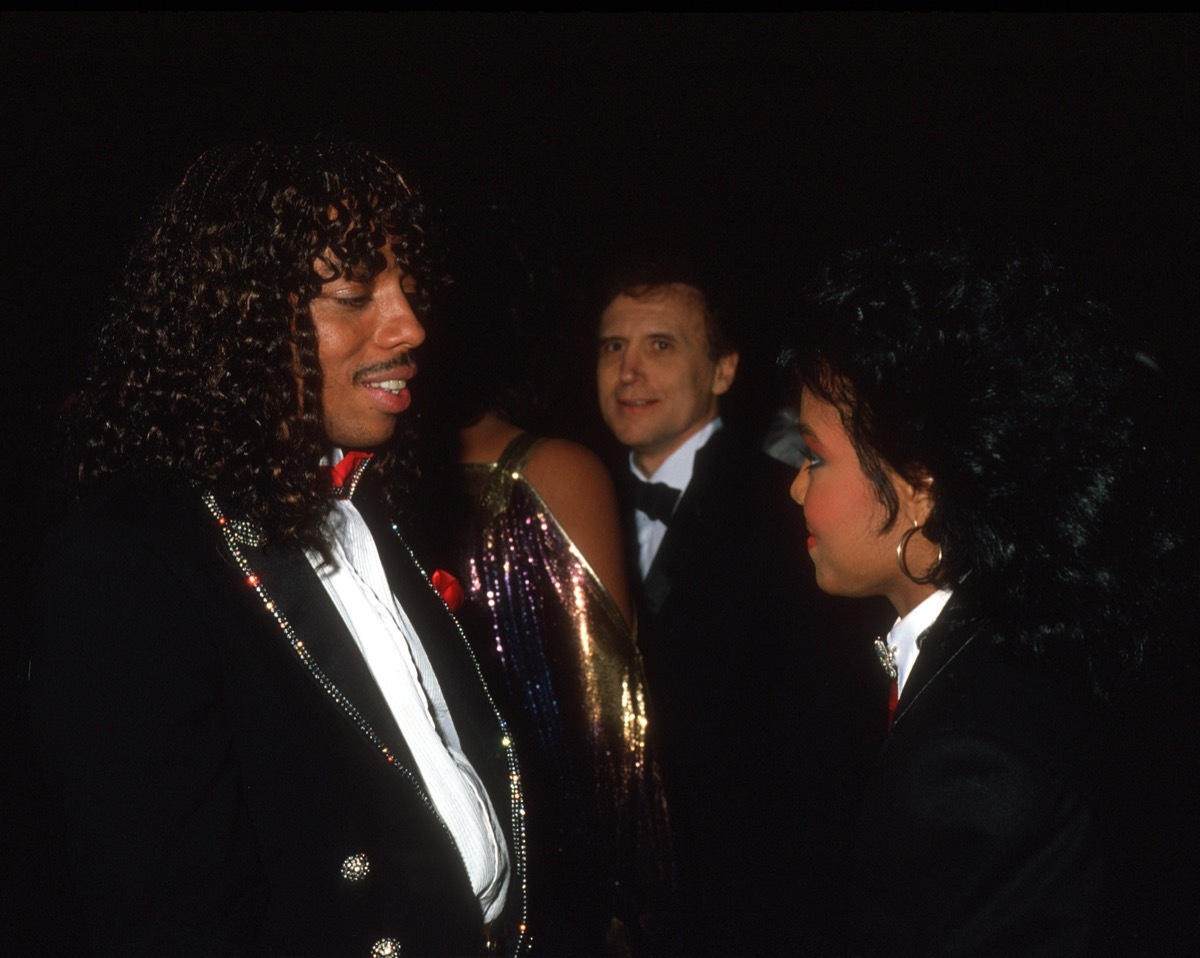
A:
(902, 639)
(676, 471)
(358, 586)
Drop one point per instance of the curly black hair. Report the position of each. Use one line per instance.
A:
(206, 367)
(1060, 504)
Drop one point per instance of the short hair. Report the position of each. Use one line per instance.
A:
(984, 367)
(207, 366)
(641, 276)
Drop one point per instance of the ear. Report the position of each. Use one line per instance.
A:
(724, 372)
(916, 498)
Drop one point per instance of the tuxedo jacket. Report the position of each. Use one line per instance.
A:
(226, 773)
(769, 704)
(1010, 816)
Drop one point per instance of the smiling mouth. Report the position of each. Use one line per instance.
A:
(393, 386)
(391, 376)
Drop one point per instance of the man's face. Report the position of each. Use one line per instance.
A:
(656, 381)
(366, 330)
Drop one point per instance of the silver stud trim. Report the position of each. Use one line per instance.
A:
(356, 867)
(346, 491)
(233, 531)
(245, 533)
(297, 644)
(515, 786)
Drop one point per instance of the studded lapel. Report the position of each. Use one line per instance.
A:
(306, 620)
(482, 731)
(453, 663)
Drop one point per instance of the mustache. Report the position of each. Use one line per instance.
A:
(403, 363)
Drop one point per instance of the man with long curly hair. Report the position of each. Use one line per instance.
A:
(259, 724)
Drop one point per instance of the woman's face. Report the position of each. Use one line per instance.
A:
(852, 552)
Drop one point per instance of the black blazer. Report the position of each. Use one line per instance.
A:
(220, 759)
(769, 703)
(1007, 817)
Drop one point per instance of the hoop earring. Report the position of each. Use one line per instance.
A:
(902, 546)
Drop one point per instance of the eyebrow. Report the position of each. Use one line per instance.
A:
(651, 335)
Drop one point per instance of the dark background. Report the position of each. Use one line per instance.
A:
(772, 139)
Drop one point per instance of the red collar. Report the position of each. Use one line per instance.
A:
(340, 476)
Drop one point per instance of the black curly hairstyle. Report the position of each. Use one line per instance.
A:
(206, 367)
(1060, 504)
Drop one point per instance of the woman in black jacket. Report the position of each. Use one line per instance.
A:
(986, 450)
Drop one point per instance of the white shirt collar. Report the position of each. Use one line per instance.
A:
(676, 470)
(902, 639)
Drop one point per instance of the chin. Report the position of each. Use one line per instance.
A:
(829, 584)
(365, 441)
(643, 440)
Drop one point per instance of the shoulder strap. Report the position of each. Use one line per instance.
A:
(509, 467)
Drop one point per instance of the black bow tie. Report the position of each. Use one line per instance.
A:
(656, 499)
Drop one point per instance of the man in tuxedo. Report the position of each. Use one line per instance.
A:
(258, 724)
(767, 705)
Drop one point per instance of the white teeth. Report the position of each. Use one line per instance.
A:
(391, 385)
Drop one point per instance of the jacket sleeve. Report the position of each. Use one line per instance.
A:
(975, 845)
(135, 746)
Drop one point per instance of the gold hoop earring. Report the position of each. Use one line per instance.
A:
(902, 559)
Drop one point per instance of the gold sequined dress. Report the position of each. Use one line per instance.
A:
(537, 612)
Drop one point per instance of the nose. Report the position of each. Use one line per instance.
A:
(630, 367)
(398, 325)
(800, 485)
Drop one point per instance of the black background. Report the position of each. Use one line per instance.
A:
(774, 138)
